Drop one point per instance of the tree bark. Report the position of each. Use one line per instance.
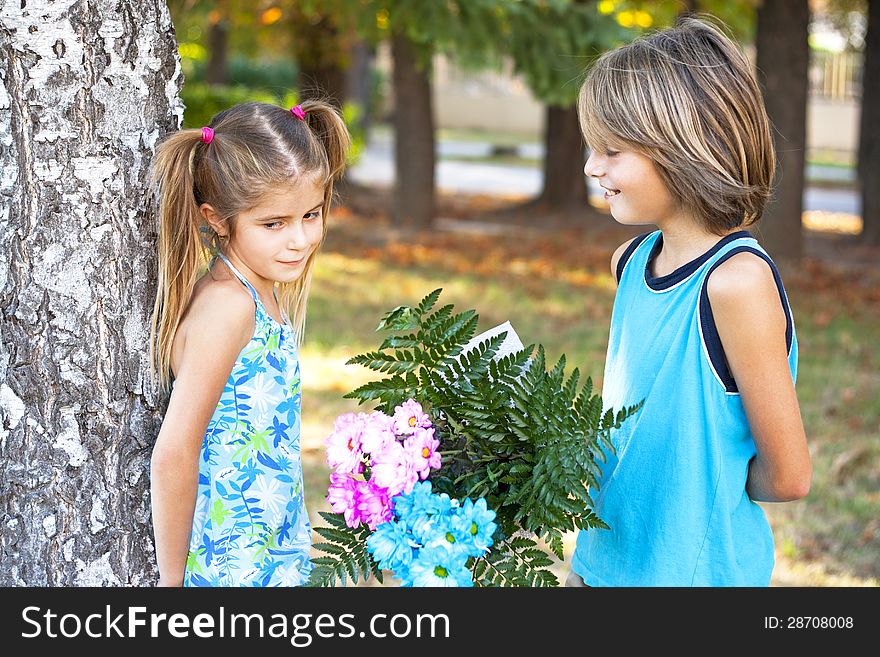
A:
(564, 185)
(87, 90)
(869, 135)
(783, 58)
(414, 201)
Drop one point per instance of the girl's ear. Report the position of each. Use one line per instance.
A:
(214, 220)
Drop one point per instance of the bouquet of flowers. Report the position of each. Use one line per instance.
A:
(470, 457)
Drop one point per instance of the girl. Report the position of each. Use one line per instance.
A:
(701, 328)
(226, 479)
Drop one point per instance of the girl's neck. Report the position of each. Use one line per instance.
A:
(265, 288)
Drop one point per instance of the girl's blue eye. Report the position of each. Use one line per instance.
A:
(272, 225)
(312, 215)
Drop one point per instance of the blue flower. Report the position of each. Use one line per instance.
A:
(416, 508)
(474, 522)
(437, 566)
(443, 532)
(392, 545)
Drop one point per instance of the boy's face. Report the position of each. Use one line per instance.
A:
(634, 190)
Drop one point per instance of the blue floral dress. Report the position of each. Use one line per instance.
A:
(250, 526)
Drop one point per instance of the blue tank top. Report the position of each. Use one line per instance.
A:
(674, 491)
(250, 526)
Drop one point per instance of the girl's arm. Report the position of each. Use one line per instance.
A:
(751, 325)
(219, 325)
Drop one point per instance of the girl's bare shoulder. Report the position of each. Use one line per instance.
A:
(219, 316)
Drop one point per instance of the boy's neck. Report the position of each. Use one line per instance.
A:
(682, 243)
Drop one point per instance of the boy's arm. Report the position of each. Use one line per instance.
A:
(751, 324)
(218, 328)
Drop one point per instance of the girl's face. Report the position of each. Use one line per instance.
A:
(275, 238)
(634, 190)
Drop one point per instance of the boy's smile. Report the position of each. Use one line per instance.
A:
(634, 189)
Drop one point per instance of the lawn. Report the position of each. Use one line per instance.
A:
(555, 287)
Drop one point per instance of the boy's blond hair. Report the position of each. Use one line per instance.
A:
(686, 98)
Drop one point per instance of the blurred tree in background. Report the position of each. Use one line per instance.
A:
(276, 50)
(551, 44)
(869, 140)
(783, 58)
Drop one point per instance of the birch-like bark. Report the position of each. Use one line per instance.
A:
(88, 87)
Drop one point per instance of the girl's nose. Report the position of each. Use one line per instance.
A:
(296, 236)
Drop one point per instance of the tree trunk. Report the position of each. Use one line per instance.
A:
(322, 54)
(413, 205)
(323, 82)
(358, 84)
(783, 58)
(218, 46)
(564, 184)
(869, 136)
(87, 89)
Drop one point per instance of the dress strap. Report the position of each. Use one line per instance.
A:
(240, 277)
(261, 308)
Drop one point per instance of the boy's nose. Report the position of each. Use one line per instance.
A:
(593, 167)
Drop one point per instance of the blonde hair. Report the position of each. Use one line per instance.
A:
(255, 147)
(686, 98)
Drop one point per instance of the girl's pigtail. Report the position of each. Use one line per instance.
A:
(329, 127)
(180, 248)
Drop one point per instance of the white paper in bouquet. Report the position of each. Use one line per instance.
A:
(511, 343)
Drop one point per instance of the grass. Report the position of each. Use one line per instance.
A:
(555, 288)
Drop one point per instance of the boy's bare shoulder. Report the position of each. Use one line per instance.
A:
(615, 258)
(743, 275)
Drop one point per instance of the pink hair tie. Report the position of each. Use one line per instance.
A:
(297, 111)
(207, 135)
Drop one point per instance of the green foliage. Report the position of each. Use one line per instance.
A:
(552, 42)
(203, 101)
(516, 562)
(524, 437)
(277, 77)
(347, 550)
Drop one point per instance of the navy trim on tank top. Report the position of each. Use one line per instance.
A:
(660, 283)
(627, 254)
(710, 331)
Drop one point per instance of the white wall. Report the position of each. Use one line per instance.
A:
(833, 124)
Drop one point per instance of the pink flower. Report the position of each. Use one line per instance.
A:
(344, 444)
(342, 495)
(393, 470)
(374, 504)
(421, 448)
(378, 431)
(408, 417)
(346, 420)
